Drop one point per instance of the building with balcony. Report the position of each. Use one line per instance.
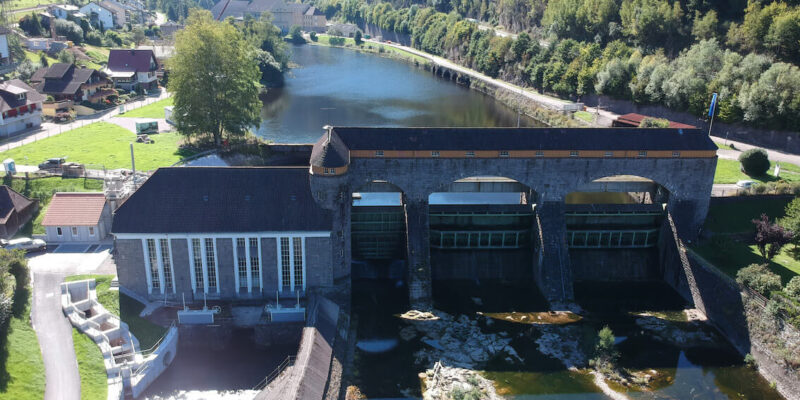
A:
(133, 69)
(66, 82)
(21, 107)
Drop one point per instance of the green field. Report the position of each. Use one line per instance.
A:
(154, 110)
(584, 116)
(126, 308)
(94, 380)
(729, 171)
(21, 366)
(101, 145)
(18, 4)
(731, 248)
(36, 57)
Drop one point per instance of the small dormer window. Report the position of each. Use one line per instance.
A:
(574, 153)
(378, 153)
(21, 96)
(503, 154)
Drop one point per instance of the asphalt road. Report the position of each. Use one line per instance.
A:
(62, 381)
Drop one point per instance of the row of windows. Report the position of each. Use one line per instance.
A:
(504, 153)
(74, 231)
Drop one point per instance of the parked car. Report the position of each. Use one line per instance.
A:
(745, 184)
(26, 244)
(52, 163)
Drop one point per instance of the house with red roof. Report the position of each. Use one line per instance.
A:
(131, 69)
(77, 217)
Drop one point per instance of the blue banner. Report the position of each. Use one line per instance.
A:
(713, 105)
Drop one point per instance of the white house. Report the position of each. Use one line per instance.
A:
(133, 69)
(20, 107)
(62, 11)
(77, 217)
(99, 16)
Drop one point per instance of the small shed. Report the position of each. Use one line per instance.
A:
(77, 217)
(15, 211)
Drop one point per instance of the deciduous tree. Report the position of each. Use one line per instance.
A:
(214, 78)
(770, 237)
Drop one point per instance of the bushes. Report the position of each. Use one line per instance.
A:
(336, 41)
(755, 162)
(792, 288)
(71, 30)
(94, 38)
(759, 278)
(313, 36)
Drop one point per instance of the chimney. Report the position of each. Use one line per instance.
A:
(328, 129)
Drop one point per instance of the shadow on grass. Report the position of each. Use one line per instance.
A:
(5, 377)
(737, 255)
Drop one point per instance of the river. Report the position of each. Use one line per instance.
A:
(335, 86)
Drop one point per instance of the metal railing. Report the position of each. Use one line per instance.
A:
(147, 352)
(287, 362)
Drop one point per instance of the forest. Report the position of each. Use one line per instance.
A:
(648, 51)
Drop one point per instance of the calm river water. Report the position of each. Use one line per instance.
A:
(334, 86)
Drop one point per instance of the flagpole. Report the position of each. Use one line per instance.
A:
(711, 111)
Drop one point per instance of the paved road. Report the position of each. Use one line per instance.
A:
(774, 155)
(547, 101)
(50, 129)
(62, 381)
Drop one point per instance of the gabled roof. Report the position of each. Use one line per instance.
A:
(130, 60)
(9, 91)
(65, 80)
(238, 8)
(330, 152)
(75, 209)
(222, 199)
(11, 201)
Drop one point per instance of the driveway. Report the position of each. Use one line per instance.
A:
(54, 331)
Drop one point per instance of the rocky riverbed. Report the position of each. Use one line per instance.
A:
(445, 383)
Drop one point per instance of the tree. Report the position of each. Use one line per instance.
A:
(792, 288)
(139, 36)
(791, 220)
(755, 162)
(313, 36)
(214, 79)
(770, 237)
(66, 56)
(296, 35)
(357, 38)
(759, 278)
(71, 30)
(650, 122)
(605, 355)
(31, 25)
(26, 69)
(706, 27)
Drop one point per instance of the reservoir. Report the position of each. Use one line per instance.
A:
(335, 86)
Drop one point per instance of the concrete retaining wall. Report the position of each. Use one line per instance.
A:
(157, 362)
(482, 264)
(719, 297)
(614, 264)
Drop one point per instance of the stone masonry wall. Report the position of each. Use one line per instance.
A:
(129, 257)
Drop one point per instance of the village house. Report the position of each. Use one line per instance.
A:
(62, 11)
(77, 217)
(69, 84)
(133, 69)
(215, 232)
(102, 16)
(21, 107)
(15, 211)
(285, 15)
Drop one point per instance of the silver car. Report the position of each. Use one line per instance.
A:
(26, 244)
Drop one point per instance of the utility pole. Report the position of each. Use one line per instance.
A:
(133, 167)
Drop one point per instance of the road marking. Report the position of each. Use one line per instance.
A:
(49, 295)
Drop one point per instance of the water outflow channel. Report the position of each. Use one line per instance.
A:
(685, 360)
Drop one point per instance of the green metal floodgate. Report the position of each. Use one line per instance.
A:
(614, 229)
(378, 233)
(481, 229)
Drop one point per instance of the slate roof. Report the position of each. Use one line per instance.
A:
(8, 98)
(11, 201)
(222, 199)
(130, 60)
(357, 138)
(62, 81)
(330, 154)
(74, 209)
(238, 8)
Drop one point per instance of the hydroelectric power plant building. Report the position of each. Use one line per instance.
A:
(245, 233)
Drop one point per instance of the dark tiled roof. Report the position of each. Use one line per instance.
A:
(9, 100)
(238, 8)
(11, 201)
(130, 60)
(521, 139)
(222, 199)
(331, 153)
(57, 71)
(67, 83)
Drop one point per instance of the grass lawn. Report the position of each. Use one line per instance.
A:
(21, 366)
(17, 4)
(584, 116)
(43, 190)
(736, 217)
(96, 53)
(94, 383)
(99, 145)
(154, 110)
(737, 255)
(36, 57)
(127, 309)
(324, 40)
(728, 171)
